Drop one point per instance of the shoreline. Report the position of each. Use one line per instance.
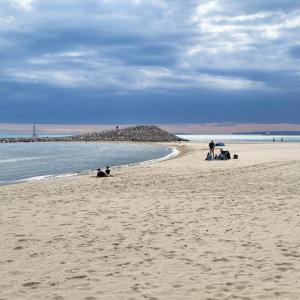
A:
(175, 152)
(173, 145)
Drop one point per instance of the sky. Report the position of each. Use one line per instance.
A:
(150, 61)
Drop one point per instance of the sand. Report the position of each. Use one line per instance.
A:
(178, 229)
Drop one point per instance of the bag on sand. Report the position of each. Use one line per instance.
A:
(235, 156)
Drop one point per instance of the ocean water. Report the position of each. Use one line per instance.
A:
(18, 135)
(241, 138)
(35, 161)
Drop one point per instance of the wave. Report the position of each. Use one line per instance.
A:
(39, 178)
(19, 159)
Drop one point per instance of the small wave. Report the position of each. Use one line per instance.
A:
(38, 178)
(19, 159)
(174, 153)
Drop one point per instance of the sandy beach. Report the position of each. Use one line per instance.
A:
(183, 228)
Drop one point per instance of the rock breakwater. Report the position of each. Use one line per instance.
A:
(140, 133)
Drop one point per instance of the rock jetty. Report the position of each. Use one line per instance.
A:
(140, 133)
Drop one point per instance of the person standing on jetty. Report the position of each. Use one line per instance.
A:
(212, 148)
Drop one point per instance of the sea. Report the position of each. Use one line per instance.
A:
(36, 161)
(241, 138)
(21, 135)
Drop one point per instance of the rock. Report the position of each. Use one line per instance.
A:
(140, 133)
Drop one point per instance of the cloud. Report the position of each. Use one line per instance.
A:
(294, 51)
(133, 47)
(24, 4)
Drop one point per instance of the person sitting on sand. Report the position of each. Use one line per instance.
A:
(209, 156)
(107, 171)
(227, 155)
(222, 155)
(101, 173)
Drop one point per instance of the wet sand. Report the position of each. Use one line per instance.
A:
(177, 229)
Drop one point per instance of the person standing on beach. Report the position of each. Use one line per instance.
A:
(212, 148)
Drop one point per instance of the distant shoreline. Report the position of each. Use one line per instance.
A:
(276, 133)
(140, 133)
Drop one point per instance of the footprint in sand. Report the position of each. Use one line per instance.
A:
(33, 255)
(223, 259)
(31, 284)
(78, 277)
(18, 248)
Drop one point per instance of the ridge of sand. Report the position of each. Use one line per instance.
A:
(182, 228)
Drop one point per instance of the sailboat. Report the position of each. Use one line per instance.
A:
(34, 135)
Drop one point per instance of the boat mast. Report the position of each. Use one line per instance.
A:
(34, 131)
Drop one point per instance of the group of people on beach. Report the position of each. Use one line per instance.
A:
(274, 140)
(224, 154)
(102, 173)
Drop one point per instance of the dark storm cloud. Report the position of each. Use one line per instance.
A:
(151, 60)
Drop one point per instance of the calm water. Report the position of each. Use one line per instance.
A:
(238, 138)
(34, 161)
(17, 135)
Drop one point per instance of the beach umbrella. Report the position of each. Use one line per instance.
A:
(219, 144)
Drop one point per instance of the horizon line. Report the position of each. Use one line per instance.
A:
(187, 128)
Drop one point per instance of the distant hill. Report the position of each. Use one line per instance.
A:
(140, 133)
